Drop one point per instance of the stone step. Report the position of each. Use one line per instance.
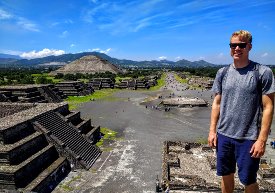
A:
(23, 173)
(16, 133)
(69, 136)
(18, 152)
(50, 177)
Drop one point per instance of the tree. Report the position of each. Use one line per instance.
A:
(26, 80)
(69, 77)
(43, 80)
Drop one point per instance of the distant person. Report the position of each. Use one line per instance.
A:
(241, 115)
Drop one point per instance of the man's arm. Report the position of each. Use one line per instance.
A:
(215, 114)
(258, 149)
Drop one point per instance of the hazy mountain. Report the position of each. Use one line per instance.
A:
(67, 58)
(10, 56)
(6, 59)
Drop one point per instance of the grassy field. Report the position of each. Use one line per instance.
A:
(179, 79)
(54, 80)
(161, 83)
(108, 136)
(74, 101)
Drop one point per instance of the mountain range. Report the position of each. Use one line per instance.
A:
(16, 61)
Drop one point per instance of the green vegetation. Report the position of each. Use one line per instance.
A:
(181, 80)
(119, 78)
(66, 186)
(161, 83)
(55, 80)
(108, 136)
(137, 73)
(203, 71)
(75, 101)
(202, 141)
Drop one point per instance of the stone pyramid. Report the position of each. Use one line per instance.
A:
(88, 64)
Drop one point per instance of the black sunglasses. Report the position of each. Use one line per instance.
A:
(234, 45)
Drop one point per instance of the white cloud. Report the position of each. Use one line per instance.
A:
(220, 55)
(26, 24)
(20, 21)
(64, 34)
(40, 54)
(5, 15)
(101, 51)
(11, 52)
(162, 58)
(94, 50)
(178, 58)
(68, 21)
(72, 45)
(93, 1)
(264, 55)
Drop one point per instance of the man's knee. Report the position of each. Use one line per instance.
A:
(228, 178)
(252, 188)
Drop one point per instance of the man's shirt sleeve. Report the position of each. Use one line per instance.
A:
(216, 88)
(267, 80)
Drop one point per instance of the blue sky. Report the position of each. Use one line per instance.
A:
(137, 29)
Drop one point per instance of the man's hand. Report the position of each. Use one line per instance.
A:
(212, 139)
(258, 149)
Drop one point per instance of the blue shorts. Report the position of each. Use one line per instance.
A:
(231, 151)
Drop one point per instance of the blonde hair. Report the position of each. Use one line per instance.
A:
(243, 35)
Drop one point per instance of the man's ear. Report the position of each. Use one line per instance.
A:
(249, 47)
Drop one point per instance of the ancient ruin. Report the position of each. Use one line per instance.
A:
(40, 143)
(31, 93)
(201, 82)
(184, 102)
(134, 84)
(192, 167)
(74, 88)
(99, 83)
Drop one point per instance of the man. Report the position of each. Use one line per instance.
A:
(241, 115)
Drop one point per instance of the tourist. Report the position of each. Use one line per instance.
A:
(241, 115)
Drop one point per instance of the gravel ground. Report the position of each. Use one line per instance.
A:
(135, 161)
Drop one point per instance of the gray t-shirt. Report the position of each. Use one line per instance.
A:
(240, 107)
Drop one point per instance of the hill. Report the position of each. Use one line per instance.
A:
(67, 58)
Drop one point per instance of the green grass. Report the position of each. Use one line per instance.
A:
(49, 77)
(37, 75)
(54, 79)
(108, 136)
(202, 141)
(75, 101)
(121, 78)
(85, 80)
(161, 83)
(179, 79)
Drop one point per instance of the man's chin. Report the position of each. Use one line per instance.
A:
(237, 57)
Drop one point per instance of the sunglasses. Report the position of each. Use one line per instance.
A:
(234, 45)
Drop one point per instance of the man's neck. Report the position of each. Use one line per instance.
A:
(241, 63)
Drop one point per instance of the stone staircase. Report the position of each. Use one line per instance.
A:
(76, 146)
(25, 93)
(6, 96)
(40, 143)
(49, 94)
(74, 88)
